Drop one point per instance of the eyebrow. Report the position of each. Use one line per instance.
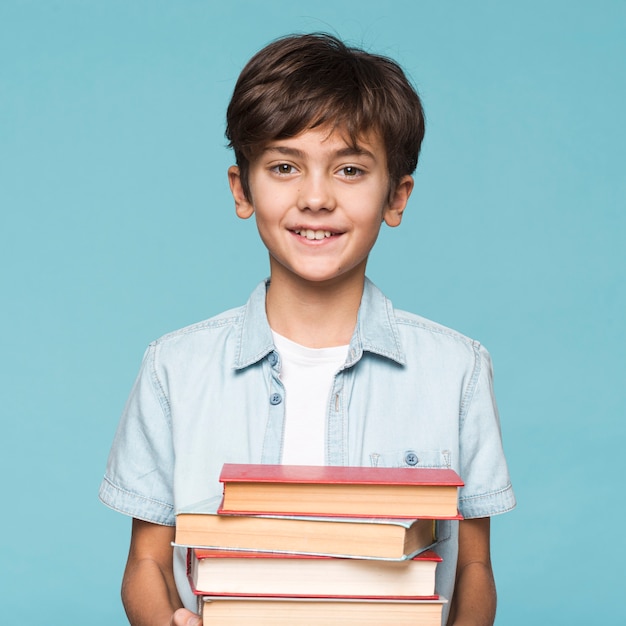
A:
(344, 152)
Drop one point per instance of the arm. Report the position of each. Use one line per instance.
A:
(474, 600)
(148, 590)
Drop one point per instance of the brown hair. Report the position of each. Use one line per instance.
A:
(301, 82)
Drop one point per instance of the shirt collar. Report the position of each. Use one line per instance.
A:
(376, 330)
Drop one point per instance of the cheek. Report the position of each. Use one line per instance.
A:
(369, 233)
(375, 218)
(268, 224)
(263, 226)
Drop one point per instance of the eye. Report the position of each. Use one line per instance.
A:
(283, 168)
(351, 171)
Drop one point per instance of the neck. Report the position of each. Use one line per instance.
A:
(316, 315)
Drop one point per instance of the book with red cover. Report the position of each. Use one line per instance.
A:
(227, 572)
(340, 490)
(265, 611)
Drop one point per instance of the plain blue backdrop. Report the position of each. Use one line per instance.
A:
(116, 226)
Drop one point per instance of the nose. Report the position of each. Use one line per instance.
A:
(316, 193)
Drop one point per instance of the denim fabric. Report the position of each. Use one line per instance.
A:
(411, 393)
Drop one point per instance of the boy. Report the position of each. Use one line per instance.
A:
(317, 367)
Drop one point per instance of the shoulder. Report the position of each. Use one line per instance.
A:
(243, 330)
(423, 326)
(196, 345)
(404, 336)
(231, 318)
(418, 332)
(411, 339)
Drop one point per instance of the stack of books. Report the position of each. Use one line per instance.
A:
(319, 545)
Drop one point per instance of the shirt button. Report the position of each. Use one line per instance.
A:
(272, 357)
(276, 398)
(410, 458)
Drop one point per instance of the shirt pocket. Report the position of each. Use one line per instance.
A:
(411, 457)
(416, 457)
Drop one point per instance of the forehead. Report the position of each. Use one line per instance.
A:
(333, 141)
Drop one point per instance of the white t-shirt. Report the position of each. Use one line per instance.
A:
(307, 375)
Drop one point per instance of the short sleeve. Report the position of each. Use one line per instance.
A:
(139, 476)
(483, 467)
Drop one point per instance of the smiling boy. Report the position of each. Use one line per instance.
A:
(319, 203)
(318, 367)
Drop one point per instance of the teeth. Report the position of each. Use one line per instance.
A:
(313, 234)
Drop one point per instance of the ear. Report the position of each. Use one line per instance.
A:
(397, 201)
(243, 207)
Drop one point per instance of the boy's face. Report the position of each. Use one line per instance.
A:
(319, 203)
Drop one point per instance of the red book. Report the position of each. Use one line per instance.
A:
(228, 572)
(340, 490)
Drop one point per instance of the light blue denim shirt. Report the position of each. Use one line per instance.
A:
(411, 393)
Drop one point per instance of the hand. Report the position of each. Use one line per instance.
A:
(183, 617)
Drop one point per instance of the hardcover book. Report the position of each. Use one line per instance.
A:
(232, 611)
(340, 491)
(199, 525)
(226, 572)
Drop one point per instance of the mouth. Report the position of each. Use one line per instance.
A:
(308, 233)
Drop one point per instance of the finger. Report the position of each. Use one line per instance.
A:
(183, 617)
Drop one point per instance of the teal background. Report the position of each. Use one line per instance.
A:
(116, 226)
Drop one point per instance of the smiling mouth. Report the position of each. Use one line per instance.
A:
(313, 234)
